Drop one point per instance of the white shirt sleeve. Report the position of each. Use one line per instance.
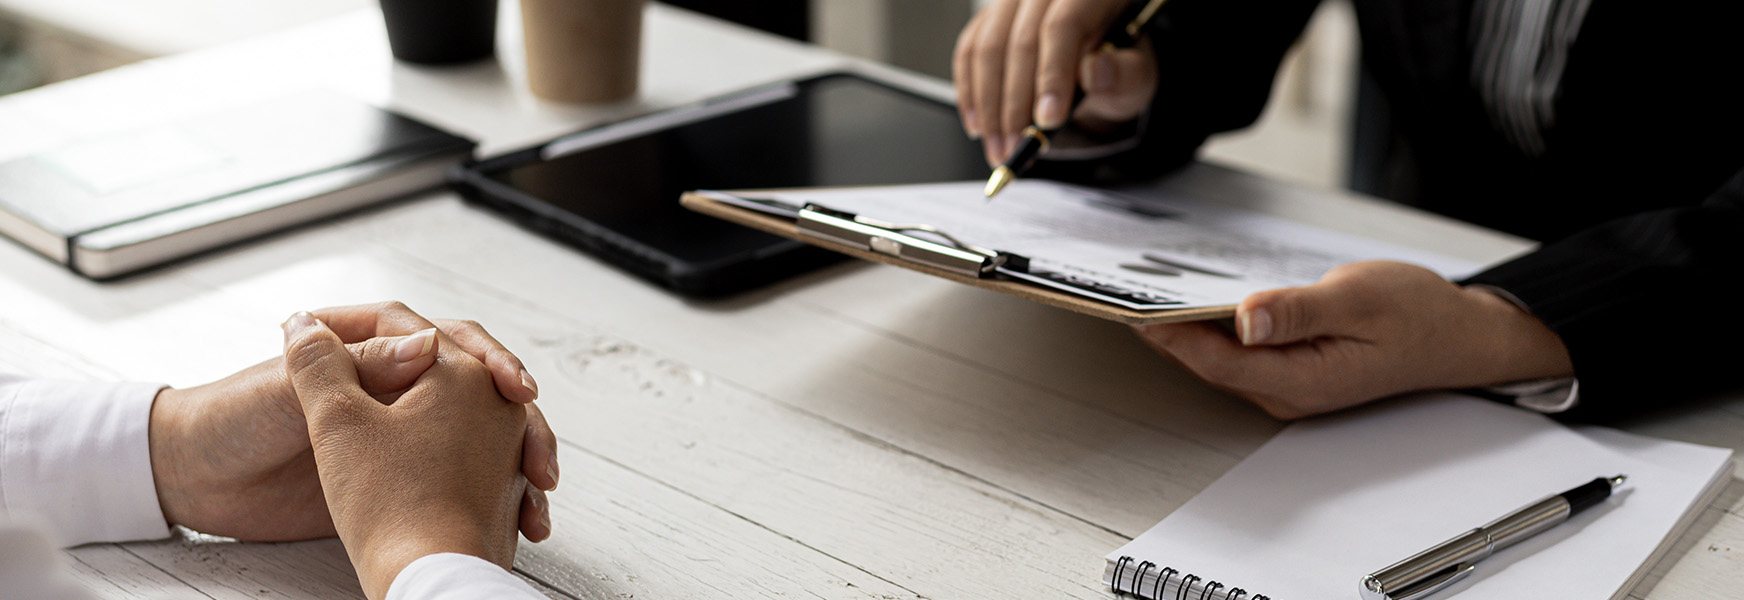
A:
(1554, 395)
(31, 568)
(76, 457)
(450, 576)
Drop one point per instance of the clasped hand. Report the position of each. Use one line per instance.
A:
(450, 413)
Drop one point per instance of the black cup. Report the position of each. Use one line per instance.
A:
(441, 31)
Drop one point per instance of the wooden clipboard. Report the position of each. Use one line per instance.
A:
(789, 229)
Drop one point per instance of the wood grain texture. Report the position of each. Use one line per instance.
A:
(224, 569)
(713, 403)
(191, 565)
(622, 534)
(1110, 470)
(766, 462)
(111, 571)
(814, 496)
(859, 432)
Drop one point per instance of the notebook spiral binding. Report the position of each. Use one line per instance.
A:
(1136, 576)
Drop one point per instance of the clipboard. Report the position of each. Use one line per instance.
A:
(960, 262)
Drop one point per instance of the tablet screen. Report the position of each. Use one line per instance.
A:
(831, 131)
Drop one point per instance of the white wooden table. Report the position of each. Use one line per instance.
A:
(69, 38)
(862, 432)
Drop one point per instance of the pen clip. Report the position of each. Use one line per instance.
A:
(1434, 583)
(889, 239)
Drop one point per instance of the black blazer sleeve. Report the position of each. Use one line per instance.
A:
(1644, 303)
(1216, 60)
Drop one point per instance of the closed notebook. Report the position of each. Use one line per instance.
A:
(110, 203)
(1332, 499)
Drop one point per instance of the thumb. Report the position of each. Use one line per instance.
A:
(1290, 315)
(321, 371)
(1118, 84)
(391, 364)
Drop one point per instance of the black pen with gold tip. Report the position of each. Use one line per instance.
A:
(1124, 33)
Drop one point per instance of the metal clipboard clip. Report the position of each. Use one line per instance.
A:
(889, 239)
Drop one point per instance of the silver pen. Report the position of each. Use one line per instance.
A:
(1431, 570)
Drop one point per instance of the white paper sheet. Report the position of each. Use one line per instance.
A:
(1178, 252)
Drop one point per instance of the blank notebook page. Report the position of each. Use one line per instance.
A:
(1332, 499)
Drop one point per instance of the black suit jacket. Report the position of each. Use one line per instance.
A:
(1638, 197)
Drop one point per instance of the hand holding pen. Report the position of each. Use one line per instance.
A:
(1024, 62)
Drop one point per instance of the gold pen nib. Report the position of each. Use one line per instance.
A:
(1001, 177)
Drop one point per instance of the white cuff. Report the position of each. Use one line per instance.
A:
(450, 576)
(77, 457)
(1552, 395)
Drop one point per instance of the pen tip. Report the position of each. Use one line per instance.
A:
(1001, 177)
(1618, 480)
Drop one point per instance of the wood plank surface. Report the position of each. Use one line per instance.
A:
(859, 432)
(635, 383)
(111, 571)
(1115, 472)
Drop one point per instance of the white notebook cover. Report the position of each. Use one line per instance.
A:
(1332, 499)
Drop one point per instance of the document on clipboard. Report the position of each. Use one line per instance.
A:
(1117, 255)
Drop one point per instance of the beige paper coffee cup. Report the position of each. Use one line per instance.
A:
(582, 50)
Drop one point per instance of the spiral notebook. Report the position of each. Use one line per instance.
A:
(1332, 499)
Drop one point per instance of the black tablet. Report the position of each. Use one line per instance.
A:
(613, 190)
